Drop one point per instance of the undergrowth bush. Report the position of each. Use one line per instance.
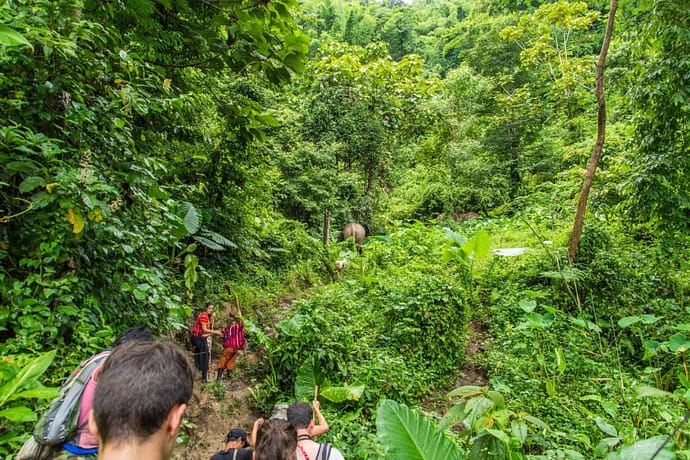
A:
(575, 346)
(397, 323)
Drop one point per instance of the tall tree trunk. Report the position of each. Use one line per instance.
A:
(599, 144)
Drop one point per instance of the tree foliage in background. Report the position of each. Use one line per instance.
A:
(101, 111)
(658, 189)
(359, 107)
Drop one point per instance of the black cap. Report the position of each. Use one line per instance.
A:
(235, 434)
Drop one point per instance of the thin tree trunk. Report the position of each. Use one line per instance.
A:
(326, 227)
(599, 144)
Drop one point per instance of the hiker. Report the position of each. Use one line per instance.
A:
(55, 437)
(200, 333)
(236, 447)
(276, 439)
(301, 416)
(141, 396)
(233, 342)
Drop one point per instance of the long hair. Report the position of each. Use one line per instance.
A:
(276, 440)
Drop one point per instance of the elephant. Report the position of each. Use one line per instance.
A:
(355, 230)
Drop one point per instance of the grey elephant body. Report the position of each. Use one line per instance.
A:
(355, 230)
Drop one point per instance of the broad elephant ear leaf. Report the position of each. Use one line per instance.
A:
(190, 217)
(407, 435)
(478, 247)
(308, 376)
(343, 393)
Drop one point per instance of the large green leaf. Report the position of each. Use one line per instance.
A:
(10, 37)
(257, 334)
(479, 246)
(467, 391)
(407, 435)
(37, 393)
(31, 183)
(453, 416)
(679, 343)
(19, 414)
(220, 239)
(308, 376)
(33, 369)
(292, 326)
(190, 217)
(644, 450)
(486, 445)
(342, 393)
(209, 244)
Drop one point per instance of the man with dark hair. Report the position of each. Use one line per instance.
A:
(236, 444)
(141, 396)
(301, 416)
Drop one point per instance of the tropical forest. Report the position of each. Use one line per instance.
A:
(521, 169)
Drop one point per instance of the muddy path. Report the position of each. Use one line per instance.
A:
(213, 412)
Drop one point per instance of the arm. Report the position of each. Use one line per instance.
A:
(255, 429)
(204, 327)
(322, 426)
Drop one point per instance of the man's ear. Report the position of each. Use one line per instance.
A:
(92, 426)
(175, 419)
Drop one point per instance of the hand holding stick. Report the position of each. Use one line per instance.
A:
(322, 426)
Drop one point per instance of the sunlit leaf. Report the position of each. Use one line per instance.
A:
(339, 394)
(679, 343)
(479, 246)
(31, 370)
(407, 435)
(628, 321)
(10, 37)
(560, 360)
(19, 414)
(76, 219)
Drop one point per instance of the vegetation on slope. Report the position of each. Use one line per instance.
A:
(154, 153)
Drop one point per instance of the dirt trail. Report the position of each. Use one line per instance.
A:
(213, 417)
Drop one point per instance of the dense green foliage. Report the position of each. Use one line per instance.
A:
(157, 154)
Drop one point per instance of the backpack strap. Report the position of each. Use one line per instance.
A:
(324, 452)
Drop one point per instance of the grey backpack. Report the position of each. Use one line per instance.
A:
(58, 424)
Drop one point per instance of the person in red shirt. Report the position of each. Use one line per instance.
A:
(200, 333)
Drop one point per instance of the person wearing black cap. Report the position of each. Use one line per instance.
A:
(235, 446)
